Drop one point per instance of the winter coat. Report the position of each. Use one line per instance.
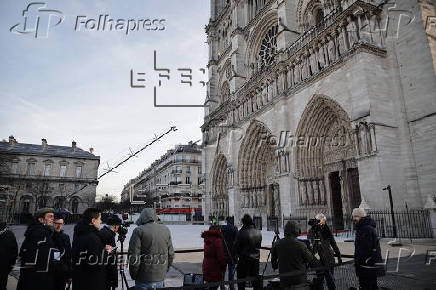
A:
(38, 246)
(323, 243)
(214, 262)
(88, 257)
(229, 233)
(367, 250)
(64, 268)
(151, 250)
(8, 249)
(107, 236)
(290, 255)
(248, 243)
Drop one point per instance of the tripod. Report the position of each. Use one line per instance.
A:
(276, 238)
(122, 274)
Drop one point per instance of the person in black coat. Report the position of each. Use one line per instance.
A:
(367, 252)
(323, 243)
(8, 254)
(230, 232)
(88, 253)
(247, 249)
(62, 269)
(107, 235)
(291, 255)
(38, 253)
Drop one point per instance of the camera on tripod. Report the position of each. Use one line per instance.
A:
(313, 222)
(124, 227)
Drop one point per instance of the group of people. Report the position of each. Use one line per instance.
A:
(49, 260)
(227, 249)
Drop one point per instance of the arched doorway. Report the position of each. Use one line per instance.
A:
(257, 169)
(75, 201)
(326, 168)
(219, 195)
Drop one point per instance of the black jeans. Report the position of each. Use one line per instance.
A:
(3, 279)
(368, 283)
(248, 268)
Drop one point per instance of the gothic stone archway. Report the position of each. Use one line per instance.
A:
(257, 167)
(326, 168)
(219, 194)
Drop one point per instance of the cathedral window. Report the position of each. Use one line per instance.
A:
(268, 47)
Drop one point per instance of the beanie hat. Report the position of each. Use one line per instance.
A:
(247, 220)
(114, 220)
(291, 229)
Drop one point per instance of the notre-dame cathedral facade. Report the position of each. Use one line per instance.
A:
(317, 105)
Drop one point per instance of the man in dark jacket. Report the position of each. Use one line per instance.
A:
(323, 243)
(62, 269)
(291, 255)
(367, 253)
(89, 253)
(247, 249)
(38, 253)
(107, 236)
(8, 253)
(230, 232)
(151, 252)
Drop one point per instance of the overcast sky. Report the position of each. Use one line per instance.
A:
(75, 85)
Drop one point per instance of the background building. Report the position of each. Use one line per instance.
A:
(173, 183)
(34, 176)
(317, 105)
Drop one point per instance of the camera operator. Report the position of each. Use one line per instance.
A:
(107, 236)
(323, 243)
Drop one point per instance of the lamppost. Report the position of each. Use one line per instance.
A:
(396, 242)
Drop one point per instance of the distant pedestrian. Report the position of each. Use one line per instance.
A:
(324, 245)
(292, 255)
(367, 252)
(63, 268)
(230, 232)
(38, 253)
(151, 251)
(247, 249)
(8, 253)
(214, 262)
(107, 235)
(89, 253)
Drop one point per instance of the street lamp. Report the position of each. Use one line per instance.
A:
(396, 242)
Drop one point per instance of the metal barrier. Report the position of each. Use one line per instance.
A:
(412, 224)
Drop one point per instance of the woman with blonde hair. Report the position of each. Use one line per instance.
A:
(323, 243)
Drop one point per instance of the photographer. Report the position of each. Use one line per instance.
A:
(107, 236)
(323, 243)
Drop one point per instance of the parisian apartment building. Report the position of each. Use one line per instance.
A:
(33, 176)
(173, 183)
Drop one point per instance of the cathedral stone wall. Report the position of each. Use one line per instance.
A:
(375, 91)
